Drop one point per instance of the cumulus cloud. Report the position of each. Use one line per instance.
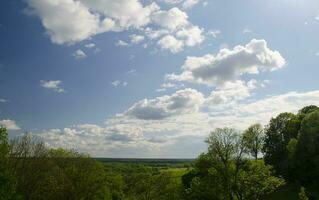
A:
(171, 19)
(53, 85)
(71, 21)
(3, 100)
(229, 64)
(66, 20)
(169, 85)
(125, 13)
(176, 122)
(192, 35)
(9, 124)
(187, 36)
(171, 43)
(79, 54)
(230, 93)
(181, 102)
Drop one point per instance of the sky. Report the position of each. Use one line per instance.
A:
(152, 78)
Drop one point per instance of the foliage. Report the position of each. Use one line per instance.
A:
(7, 180)
(302, 194)
(224, 172)
(44, 173)
(278, 133)
(306, 156)
(253, 139)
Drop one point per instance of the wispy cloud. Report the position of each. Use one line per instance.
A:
(214, 33)
(118, 83)
(3, 100)
(121, 43)
(246, 30)
(90, 45)
(79, 54)
(52, 85)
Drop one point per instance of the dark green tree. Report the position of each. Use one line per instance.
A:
(7, 179)
(306, 156)
(278, 133)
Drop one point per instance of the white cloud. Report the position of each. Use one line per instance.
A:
(191, 35)
(181, 102)
(171, 43)
(71, 21)
(230, 93)
(118, 83)
(53, 85)
(189, 3)
(127, 135)
(317, 17)
(172, 1)
(3, 100)
(125, 13)
(246, 30)
(132, 72)
(214, 33)
(229, 64)
(154, 34)
(136, 39)
(169, 85)
(9, 124)
(79, 54)
(90, 45)
(66, 21)
(171, 19)
(186, 4)
(121, 43)
(264, 83)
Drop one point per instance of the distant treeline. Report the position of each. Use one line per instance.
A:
(249, 165)
(153, 162)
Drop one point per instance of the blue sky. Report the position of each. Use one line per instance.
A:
(135, 78)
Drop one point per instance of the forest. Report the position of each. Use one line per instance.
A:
(277, 161)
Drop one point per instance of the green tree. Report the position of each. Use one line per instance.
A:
(278, 133)
(7, 179)
(253, 139)
(225, 173)
(44, 173)
(255, 180)
(306, 156)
